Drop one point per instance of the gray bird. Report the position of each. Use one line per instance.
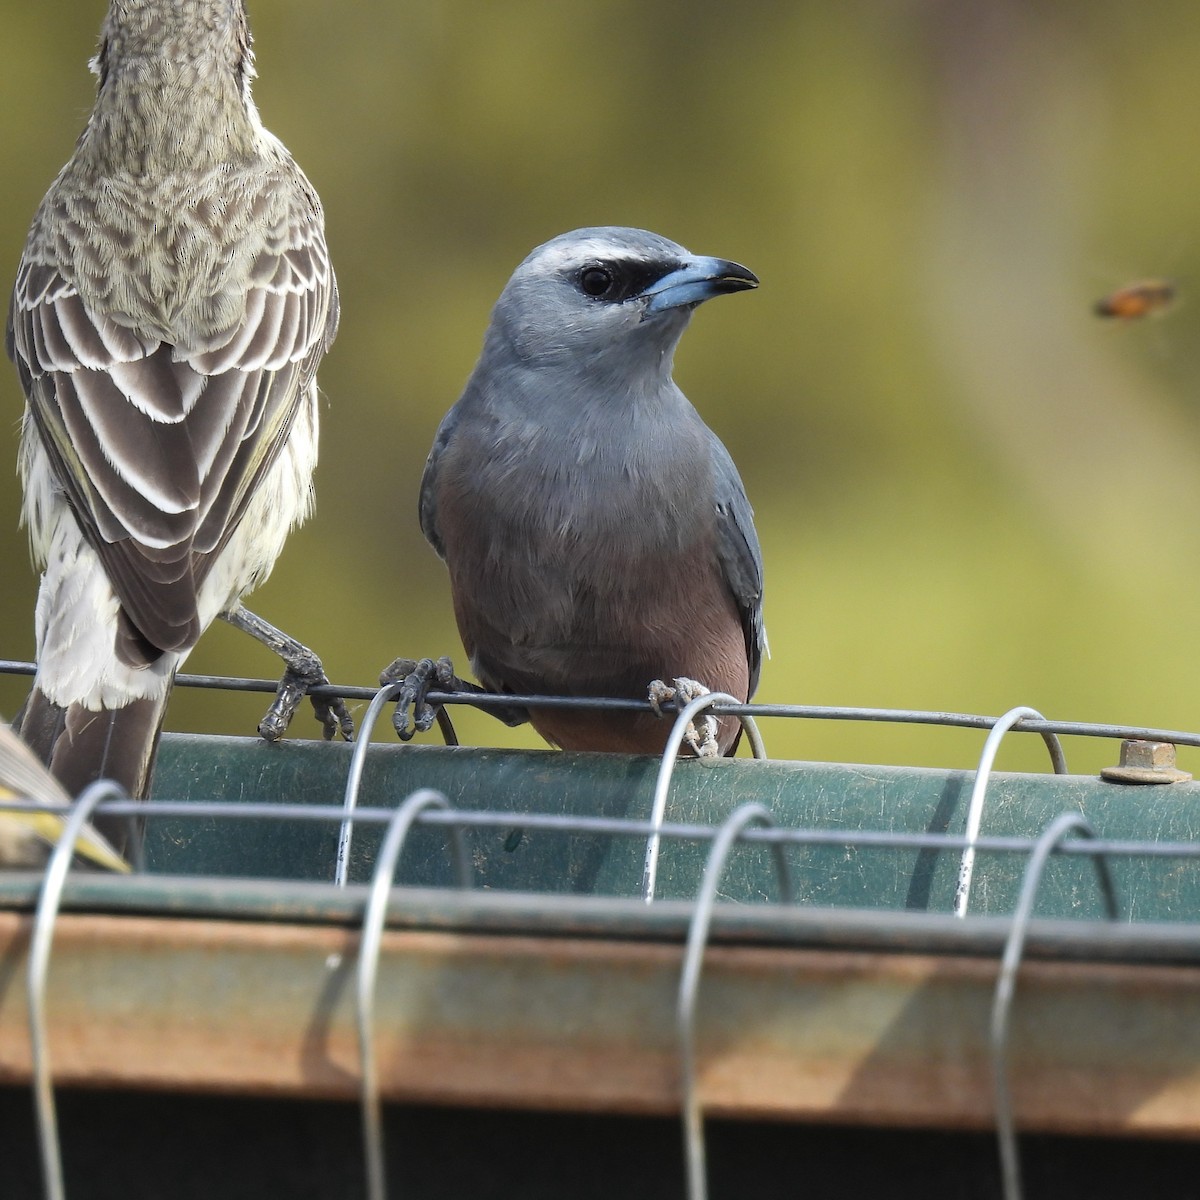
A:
(597, 534)
(171, 306)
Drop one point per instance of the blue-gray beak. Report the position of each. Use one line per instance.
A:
(697, 280)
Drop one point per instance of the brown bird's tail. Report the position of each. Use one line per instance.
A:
(80, 746)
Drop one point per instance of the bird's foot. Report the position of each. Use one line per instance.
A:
(700, 735)
(303, 672)
(419, 677)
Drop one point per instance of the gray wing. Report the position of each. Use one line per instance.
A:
(739, 553)
(158, 447)
(427, 503)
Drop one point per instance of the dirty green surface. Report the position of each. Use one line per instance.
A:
(799, 795)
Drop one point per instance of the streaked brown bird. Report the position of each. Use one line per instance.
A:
(173, 301)
(597, 533)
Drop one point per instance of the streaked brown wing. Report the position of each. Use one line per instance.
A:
(157, 448)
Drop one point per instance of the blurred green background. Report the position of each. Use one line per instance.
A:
(971, 493)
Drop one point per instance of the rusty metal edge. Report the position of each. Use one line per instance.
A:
(588, 1024)
(496, 912)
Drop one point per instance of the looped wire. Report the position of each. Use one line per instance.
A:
(983, 776)
(446, 725)
(368, 966)
(666, 769)
(358, 759)
(689, 980)
(758, 748)
(1049, 840)
(49, 900)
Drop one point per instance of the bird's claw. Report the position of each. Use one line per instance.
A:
(418, 677)
(305, 671)
(700, 735)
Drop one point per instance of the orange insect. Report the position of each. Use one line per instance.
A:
(1137, 300)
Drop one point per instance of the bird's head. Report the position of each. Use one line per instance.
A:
(600, 298)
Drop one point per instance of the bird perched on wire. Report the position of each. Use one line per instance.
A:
(597, 534)
(173, 300)
(27, 836)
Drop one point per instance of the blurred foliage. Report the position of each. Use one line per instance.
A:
(971, 493)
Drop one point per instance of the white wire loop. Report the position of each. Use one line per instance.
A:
(666, 769)
(358, 760)
(368, 967)
(758, 748)
(49, 900)
(983, 776)
(1049, 840)
(689, 979)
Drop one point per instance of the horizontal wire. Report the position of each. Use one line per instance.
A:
(807, 712)
(612, 826)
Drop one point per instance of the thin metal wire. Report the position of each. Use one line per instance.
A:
(368, 968)
(983, 776)
(358, 759)
(223, 683)
(758, 748)
(446, 725)
(808, 712)
(1047, 843)
(615, 826)
(44, 920)
(666, 769)
(689, 981)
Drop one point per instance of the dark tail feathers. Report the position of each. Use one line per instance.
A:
(80, 746)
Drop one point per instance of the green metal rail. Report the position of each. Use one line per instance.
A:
(860, 800)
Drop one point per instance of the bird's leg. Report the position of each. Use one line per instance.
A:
(683, 691)
(303, 670)
(419, 677)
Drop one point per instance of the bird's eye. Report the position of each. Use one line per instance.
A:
(595, 281)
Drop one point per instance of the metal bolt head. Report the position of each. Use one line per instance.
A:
(1154, 755)
(1145, 762)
